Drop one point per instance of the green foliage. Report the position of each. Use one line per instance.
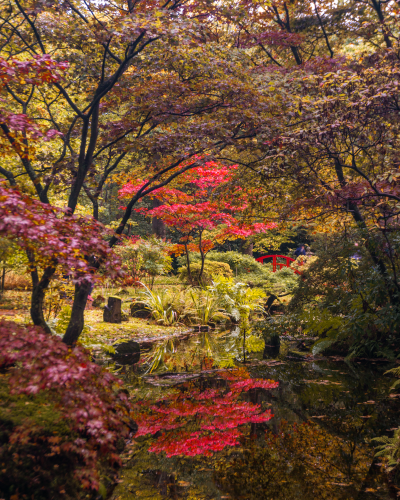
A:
(396, 373)
(247, 270)
(389, 448)
(161, 304)
(189, 306)
(274, 240)
(206, 306)
(237, 298)
(346, 303)
(12, 260)
(210, 270)
(12, 256)
(281, 282)
(238, 262)
(145, 259)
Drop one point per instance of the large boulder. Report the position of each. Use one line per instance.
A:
(127, 353)
(112, 311)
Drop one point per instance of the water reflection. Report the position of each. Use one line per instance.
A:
(202, 351)
(296, 461)
(317, 445)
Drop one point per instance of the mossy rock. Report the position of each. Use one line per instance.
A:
(140, 310)
(99, 301)
(127, 353)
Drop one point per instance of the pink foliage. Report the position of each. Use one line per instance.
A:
(84, 394)
(36, 71)
(277, 38)
(55, 236)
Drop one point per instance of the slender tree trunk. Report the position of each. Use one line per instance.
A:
(188, 264)
(378, 9)
(95, 203)
(203, 257)
(370, 245)
(157, 224)
(76, 323)
(3, 278)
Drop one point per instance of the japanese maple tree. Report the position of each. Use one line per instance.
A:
(206, 207)
(92, 410)
(54, 241)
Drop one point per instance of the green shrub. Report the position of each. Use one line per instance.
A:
(238, 262)
(144, 259)
(210, 269)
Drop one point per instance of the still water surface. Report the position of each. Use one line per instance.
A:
(317, 445)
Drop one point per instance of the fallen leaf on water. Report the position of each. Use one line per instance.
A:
(274, 363)
(183, 483)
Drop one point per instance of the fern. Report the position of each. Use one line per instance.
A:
(389, 448)
(395, 372)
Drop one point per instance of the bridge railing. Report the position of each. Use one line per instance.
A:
(280, 265)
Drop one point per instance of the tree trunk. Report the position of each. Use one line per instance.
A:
(188, 264)
(158, 226)
(378, 9)
(369, 243)
(37, 298)
(76, 323)
(3, 279)
(247, 247)
(203, 257)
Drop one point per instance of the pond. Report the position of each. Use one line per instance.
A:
(317, 444)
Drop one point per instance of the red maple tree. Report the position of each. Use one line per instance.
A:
(204, 209)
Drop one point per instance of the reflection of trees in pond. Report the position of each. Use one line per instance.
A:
(202, 420)
(300, 461)
(203, 351)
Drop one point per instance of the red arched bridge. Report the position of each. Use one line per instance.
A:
(277, 266)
